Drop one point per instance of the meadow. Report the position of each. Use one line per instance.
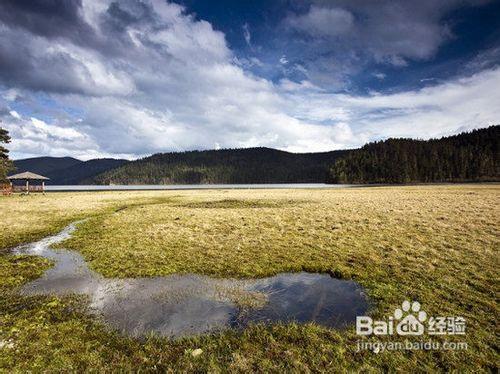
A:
(434, 244)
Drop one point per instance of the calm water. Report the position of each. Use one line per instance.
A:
(196, 187)
(186, 305)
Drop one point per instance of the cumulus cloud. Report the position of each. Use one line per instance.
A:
(39, 63)
(32, 136)
(147, 76)
(48, 19)
(175, 87)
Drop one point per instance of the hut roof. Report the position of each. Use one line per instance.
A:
(28, 175)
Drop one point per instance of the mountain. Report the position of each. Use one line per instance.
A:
(250, 165)
(66, 170)
(472, 156)
(86, 170)
(467, 157)
(45, 165)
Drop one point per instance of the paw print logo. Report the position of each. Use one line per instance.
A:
(411, 324)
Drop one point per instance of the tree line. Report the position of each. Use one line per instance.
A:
(467, 157)
(227, 166)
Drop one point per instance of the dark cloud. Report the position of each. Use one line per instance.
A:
(48, 45)
(38, 64)
(337, 39)
(64, 20)
(405, 29)
(22, 66)
(120, 15)
(48, 18)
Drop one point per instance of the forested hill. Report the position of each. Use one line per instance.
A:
(65, 170)
(251, 165)
(85, 170)
(45, 166)
(467, 157)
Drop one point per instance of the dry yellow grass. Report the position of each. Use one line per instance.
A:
(435, 244)
(258, 233)
(30, 217)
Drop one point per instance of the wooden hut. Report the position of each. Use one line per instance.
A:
(28, 176)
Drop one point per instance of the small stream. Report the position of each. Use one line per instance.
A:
(187, 305)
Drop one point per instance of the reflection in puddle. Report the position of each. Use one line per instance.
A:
(185, 305)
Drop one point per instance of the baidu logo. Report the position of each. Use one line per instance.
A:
(409, 320)
(410, 324)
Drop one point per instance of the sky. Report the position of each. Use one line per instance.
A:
(129, 78)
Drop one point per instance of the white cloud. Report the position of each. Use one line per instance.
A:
(178, 86)
(14, 114)
(44, 131)
(283, 60)
(32, 136)
(10, 95)
(440, 110)
(247, 35)
(380, 76)
(288, 85)
(322, 21)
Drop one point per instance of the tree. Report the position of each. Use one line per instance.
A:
(5, 163)
(467, 157)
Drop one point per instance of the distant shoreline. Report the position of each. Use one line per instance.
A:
(157, 187)
(257, 186)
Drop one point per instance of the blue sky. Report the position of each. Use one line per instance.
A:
(473, 27)
(129, 78)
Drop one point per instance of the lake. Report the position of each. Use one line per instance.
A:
(196, 187)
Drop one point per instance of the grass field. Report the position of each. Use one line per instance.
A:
(435, 244)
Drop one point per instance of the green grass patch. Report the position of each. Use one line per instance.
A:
(237, 204)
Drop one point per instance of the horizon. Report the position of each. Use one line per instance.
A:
(241, 149)
(103, 79)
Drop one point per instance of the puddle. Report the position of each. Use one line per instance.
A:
(187, 305)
